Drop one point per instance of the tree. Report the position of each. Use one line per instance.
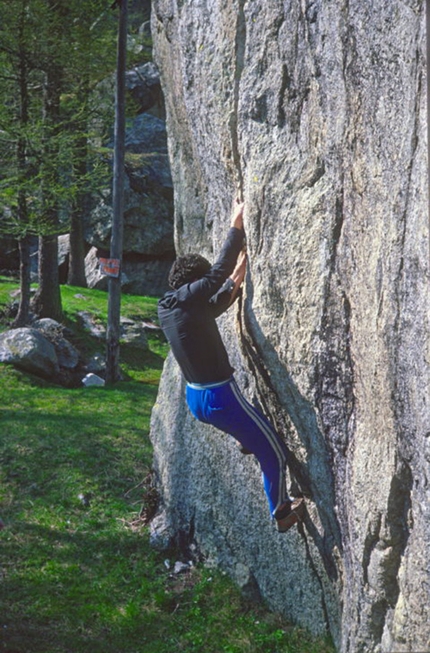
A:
(21, 157)
(16, 58)
(53, 54)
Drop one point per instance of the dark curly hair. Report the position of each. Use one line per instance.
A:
(188, 268)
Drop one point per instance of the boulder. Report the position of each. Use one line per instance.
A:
(314, 113)
(133, 333)
(29, 350)
(148, 243)
(148, 228)
(138, 277)
(143, 82)
(67, 355)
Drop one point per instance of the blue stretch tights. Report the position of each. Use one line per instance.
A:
(224, 407)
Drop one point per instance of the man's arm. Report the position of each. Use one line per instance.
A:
(237, 217)
(238, 275)
(225, 297)
(211, 282)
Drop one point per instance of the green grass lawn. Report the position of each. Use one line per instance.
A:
(77, 573)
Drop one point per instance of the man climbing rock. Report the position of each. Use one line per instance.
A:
(188, 313)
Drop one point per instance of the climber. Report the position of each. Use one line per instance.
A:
(200, 294)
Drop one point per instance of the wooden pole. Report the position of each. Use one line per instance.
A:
(114, 300)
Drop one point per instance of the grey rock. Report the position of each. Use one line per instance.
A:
(48, 326)
(146, 277)
(143, 82)
(91, 380)
(147, 134)
(133, 333)
(29, 350)
(148, 193)
(246, 582)
(316, 113)
(92, 324)
(161, 534)
(180, 567)
(63, 249)
(97, 363)
(67, 354)
(94, 277)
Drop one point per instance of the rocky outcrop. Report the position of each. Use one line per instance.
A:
(315, 113)
(148, 206)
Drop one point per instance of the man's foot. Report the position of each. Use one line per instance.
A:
(290, 514)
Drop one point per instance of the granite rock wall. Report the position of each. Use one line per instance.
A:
(314, 113)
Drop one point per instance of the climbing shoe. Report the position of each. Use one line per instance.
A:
(290, 514)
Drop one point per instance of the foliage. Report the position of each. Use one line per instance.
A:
(38, 39)
(77, 572)
(78, 39)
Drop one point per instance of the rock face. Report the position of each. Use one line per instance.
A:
(314, 112)
(148, 206)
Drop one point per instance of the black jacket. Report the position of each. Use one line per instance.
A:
(187, 317)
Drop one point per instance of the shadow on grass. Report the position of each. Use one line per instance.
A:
(75, 591)
(73, 576)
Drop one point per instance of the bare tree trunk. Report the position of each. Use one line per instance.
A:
(47, 301)
(22, 317)
(76, 273)
(24, 244)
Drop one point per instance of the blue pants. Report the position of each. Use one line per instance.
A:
(223, 406)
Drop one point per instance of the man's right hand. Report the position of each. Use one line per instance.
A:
(237, 218)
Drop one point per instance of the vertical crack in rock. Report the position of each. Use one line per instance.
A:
(234, 116)
(269, 398)
(334, 379)
(312, 565)
(285, 83)
(301, 476)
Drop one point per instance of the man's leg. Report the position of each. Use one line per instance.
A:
(225, 408)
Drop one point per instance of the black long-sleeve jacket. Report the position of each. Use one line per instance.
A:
(188, 318)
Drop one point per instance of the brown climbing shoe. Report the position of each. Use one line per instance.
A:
(244, 450)
(290, 514)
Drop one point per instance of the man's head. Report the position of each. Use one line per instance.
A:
(188, 268)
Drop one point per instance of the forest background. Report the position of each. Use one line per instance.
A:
(53, 57)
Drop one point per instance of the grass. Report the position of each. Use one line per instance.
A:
(77, 573)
